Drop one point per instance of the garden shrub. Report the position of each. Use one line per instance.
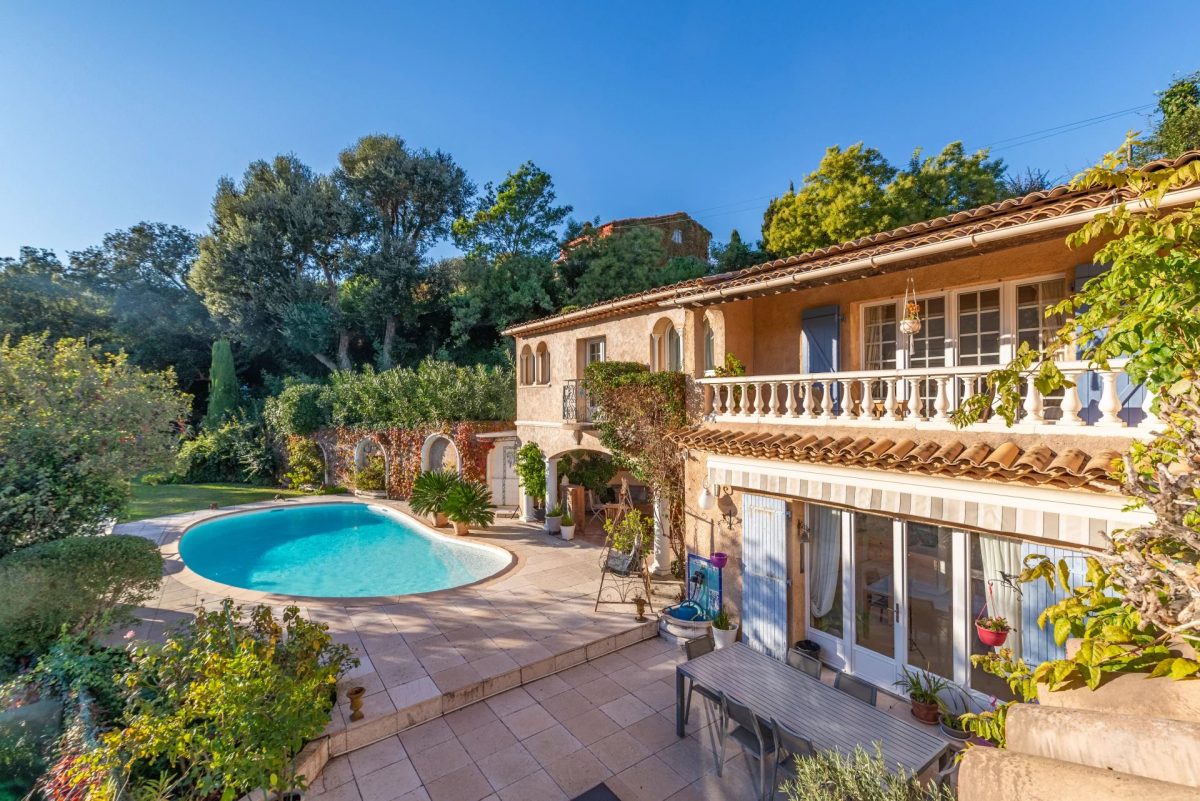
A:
(373, 475)
(238, 450)
(82, 584)
(306, 466)
(224, 704)
(298, 410)
(76, 426)
(531, 470)
(834, 776)
(590, 470)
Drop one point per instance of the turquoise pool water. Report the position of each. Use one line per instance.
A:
(333, 550)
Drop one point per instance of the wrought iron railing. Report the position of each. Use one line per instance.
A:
(576, 406)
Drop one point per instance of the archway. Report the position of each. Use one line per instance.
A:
(372, 468)
(440, 453)
(666, 346)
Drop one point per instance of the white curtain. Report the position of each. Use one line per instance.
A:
(1001, 559)
(825, 559)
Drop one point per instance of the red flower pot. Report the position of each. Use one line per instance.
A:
(719, 559)
(992, 639)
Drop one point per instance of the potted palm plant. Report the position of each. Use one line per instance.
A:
(924, 693)
(567, 525)
(724, 629)
(469, 503)
(554, 519)
(429, 491)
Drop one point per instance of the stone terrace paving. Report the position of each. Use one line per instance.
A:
(512, 689)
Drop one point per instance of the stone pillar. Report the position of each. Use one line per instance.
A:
(660, 564)
(527, 515)
(551, 483)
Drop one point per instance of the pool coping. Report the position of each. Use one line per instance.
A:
(179, 570)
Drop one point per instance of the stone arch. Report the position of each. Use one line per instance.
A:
(666, 345)
(439, 452)
(712, 332)
(369, 446)
(525, 366)
(328, 459)
(541, 364)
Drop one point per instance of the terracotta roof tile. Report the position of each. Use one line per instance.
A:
(1055, 202)
(1037, 466)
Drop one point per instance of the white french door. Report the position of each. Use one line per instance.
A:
(901, 597)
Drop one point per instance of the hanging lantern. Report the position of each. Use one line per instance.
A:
(707, 500)
(910, 323)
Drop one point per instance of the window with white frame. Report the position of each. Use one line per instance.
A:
(593, 350)
(979, 327)
(880, 337)
(677, 236)
(1034, 300)
(674, 349)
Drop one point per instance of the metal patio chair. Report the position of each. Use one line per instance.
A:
(789, 745)
(804, 662)
(750, 733)
(856, 687)
(694, 648)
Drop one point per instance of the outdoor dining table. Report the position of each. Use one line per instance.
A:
(831, 719)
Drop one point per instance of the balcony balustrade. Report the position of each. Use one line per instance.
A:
(927, 398)
(575, 407)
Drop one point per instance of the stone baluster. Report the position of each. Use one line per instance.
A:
(827, 399)
(1110, 401)
(890, 406)
(1071, 404)
(1033, 404)
(941, 403)
(847, 386)
(767, 388)
(914, 400)
(1150, 421)
(710, 399)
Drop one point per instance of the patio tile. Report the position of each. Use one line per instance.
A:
(602, 690)
(343, 792)
(510, 701)
(545, 688)
(690, 758)
(487, 739)
(565, 706)
(578, 771)
(649, 780)
(463, 784)
(610, 663)
(377, 755)
(456, 678)
(528, 721)
(389, 783)
(470, 717)
(534, 787)
(626, 710)
(426, 735)
(654, 732)
(552, 744)
(337, 771)
(580, 674)
(618, 751)
(591, 726)
(434, 763)
(508, 766)
(659, 695)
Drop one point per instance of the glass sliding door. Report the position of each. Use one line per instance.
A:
(825, 579)
(930, 591)
(876, 605)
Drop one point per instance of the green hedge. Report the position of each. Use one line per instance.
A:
(80, 583)
(403, 397)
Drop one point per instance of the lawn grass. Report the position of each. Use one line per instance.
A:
(152, 500)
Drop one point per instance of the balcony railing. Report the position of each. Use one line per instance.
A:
(576, 407)
(1101, 402)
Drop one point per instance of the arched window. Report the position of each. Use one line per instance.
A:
(674, 349)
(525, 366)
(543, 364)
(710, 348)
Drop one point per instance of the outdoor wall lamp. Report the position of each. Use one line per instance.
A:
(709, 496)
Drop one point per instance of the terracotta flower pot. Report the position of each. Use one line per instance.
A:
(992, 639)
(926, 713)
(440, 520)
(461, 529)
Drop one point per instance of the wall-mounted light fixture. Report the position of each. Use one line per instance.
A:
(709, 495)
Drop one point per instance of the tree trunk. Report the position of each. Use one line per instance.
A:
(326, 361)
(389, 338)
(344, 351)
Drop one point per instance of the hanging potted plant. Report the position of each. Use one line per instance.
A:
(724, 629)
(910, 323)
(992, 631)
(469, 504)
(924, 694)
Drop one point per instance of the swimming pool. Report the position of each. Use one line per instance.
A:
(332, 550)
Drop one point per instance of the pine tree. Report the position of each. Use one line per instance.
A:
(222, 384)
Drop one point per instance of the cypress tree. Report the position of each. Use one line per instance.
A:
(222, 384)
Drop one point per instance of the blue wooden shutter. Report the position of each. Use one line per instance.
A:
(1037, 644)
(821, 330)
(764, 580)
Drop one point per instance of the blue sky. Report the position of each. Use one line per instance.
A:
(120, 112)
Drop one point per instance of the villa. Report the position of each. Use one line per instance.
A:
(855, 514)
